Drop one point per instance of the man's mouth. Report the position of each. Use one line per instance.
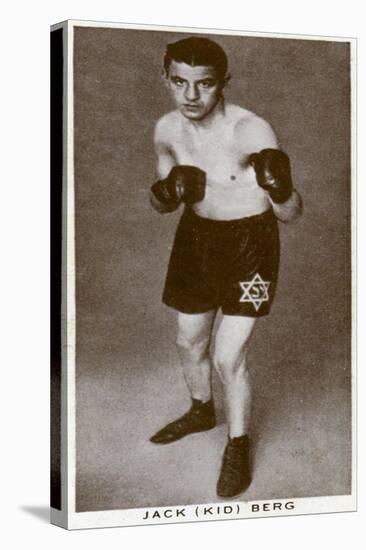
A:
(191, 107)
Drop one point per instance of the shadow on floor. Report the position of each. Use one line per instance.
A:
(40, 512)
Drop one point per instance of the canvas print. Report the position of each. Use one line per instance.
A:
(201, 186)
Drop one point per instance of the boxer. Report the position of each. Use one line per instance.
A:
(221, 163)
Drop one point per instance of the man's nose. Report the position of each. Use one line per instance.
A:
(191, 92)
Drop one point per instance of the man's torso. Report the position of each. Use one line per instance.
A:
(221, 150)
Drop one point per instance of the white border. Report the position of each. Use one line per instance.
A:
(71, 298)
(195, 513)
(172, 28)
(116, 518)
(354, 180)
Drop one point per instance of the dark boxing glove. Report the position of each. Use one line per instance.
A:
(184, 183)
(272, 168)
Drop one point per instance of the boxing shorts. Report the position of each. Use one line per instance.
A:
(227, 264)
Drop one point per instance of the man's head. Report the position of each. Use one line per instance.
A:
(195, 70)
(197, 51)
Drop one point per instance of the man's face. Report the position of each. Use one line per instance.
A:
(195, 90)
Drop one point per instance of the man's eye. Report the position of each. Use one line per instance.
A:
(178, 81)
(207, 84)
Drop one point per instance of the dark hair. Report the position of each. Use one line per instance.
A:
(197, 51)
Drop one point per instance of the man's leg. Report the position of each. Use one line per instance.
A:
(230, 362)
(193, 340)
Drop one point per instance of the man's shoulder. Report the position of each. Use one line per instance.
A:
(244, 119)
(251, 129)
(166, 126)
(236, 112)
(247, 123)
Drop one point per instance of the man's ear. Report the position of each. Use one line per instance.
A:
(226, 80)
(165, 77)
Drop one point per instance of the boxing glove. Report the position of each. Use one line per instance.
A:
(272, 168)
(184, 183)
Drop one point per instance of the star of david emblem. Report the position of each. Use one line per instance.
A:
(255, 291)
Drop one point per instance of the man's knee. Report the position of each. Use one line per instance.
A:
(230, 364)
(196, 346)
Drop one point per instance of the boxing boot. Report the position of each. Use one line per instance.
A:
(199, 418)
(235, 470)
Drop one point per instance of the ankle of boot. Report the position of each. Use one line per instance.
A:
(197, 404)
(239, 441)
(204, 413)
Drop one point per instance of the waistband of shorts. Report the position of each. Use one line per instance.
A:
(264, 217)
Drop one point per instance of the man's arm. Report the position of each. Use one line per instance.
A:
(177, 183)
(291, 210)
(260, 138)
(273, 173)
(165, 162)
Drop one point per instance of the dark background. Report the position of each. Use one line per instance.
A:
(128, 378)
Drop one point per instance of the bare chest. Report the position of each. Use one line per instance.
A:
(208, 150)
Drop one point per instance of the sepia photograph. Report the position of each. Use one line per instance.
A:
(203, 352)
